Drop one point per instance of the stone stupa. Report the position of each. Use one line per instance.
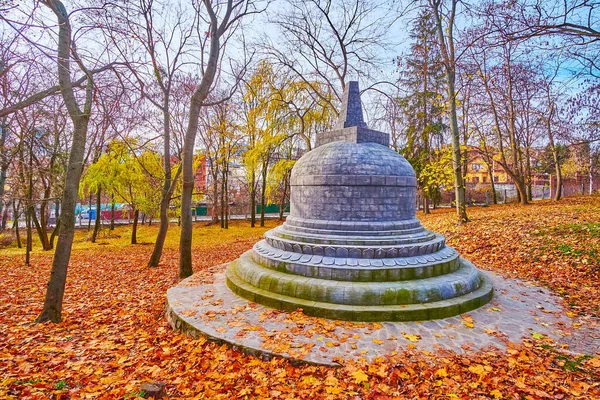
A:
(352, 247)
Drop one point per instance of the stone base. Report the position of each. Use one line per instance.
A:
(352, 296)
(441, 289)
(516, 311)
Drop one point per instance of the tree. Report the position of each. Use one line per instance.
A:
(326, 42)
(221, 21)
(80, 116)
(421, 109)
(163, 45)
(444, 24)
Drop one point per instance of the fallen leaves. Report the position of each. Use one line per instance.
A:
(467, 321)
(114, 337)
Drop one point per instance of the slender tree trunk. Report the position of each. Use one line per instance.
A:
(16, 223)
(493, 184)
(447, 52)
(591, 174)
(98, 214)
(459, 184)
(52, 310)
(29, 243)
(3, 168)
(4, 218)
(42, 224)
(42, 234)
(163, 225)
(529, 180)
(54, 233)
(556, 159)
(426, 204)
(3, 208)
(112, 213)
(263, 191)
(167, 190)
(253, 199)
(89, 213)
(557, 168)
(226, 190)
(185, 240)
(216, 199)
(136, 215)
(283, 197)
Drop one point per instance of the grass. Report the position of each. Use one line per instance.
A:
(120, 237)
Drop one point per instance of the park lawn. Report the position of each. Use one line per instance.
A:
(114, 336)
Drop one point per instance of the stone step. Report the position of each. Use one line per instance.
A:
(460, 282)
(419, 235)
(352, 228)
(359, 249)
(357, 269)
(411, 312)
(416, 235)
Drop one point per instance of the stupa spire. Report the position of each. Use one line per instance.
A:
(351, 112)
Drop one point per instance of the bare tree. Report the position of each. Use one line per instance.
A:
(330, 42)
(221, 22)
(80, 116)
(445, 17)
(163, 45)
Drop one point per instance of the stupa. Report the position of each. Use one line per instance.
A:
(352, 247)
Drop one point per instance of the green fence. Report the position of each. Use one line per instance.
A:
(272, 208)
(200, 211)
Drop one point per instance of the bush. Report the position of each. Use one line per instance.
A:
(6, 239)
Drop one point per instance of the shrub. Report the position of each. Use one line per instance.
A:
(6, 239)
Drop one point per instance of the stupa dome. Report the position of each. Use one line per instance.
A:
(349, 181)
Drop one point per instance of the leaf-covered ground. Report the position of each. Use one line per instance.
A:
(114, 336)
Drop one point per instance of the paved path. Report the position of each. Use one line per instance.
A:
(518, 310)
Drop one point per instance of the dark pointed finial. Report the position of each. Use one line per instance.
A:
(351, 112)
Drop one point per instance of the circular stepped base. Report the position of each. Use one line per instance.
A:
(441, 262)
(396, 312)
(213, 311)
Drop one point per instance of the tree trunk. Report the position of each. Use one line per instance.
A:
(216, 199)
(226, 190)
(253, 199)
(521, 190)
(41, 231)
(4, 218)
(42, 224)
(263, 191)
(555, 157)
(185, 240)
(459, 184)
(493, 184)
(28, 243)
(16, 224)
(447, 52)
(283, 196)
(54, 233)
(136, 214)
(112, 213)
(591, 174)
(163, 225)
(98, 214)
(52, 310)
(3, 169)
(222, 197)
(426, 204)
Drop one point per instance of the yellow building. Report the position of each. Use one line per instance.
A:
(478, 170)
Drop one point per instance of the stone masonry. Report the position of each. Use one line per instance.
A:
(352, 247)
